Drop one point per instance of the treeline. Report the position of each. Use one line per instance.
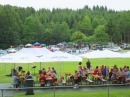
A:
(20, 25)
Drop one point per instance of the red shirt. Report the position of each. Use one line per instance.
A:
(95, 71)
(42, 76)
(102, 69)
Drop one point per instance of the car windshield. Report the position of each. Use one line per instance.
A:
(115, 47)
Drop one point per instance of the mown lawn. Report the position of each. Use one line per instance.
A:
(113, 93)
(61, 67)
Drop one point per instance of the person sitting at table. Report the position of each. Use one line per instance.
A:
(54, 77)
(16, 81)
(96, 71)
(28, 75)
(101, 69)
(43, 70)
(121, 76)
(54, 70)
(49, 71)
(114, 76)
(127, 73)
(77, 78)
(104, 72)
(80, 70)
(124, 67)
(110, 74)
(85, 73)
(42, 79)
(115, 69)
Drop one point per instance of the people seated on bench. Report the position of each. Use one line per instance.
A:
(16, 81)
(114, 76)
(110, 74)
(28, 75)
(76, 78)
(127, 72)
(42, 78)
(115, 69)
(43, 70)
(54, 77)
(49, 71)
(121, 76)
(104, 72)
(96, 71)
(80, 69)
(85, 72)
(101, 69)
(54, 70)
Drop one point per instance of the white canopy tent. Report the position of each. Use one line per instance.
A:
(104, 54)
(37, 52)
(59, 57)
(34, 51)
(17, 58)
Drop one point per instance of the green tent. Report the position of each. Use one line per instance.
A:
(64, 43)
(70, 43)
(43, 45)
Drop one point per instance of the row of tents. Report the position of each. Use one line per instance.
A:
(30, 55)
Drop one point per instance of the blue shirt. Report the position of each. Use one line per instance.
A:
(54, 71)
(128, 74)
(104, 71)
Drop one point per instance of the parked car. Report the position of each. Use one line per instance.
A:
(82, 50)
(123, 45)
(127, 48)
(115, 49)
(98, 48)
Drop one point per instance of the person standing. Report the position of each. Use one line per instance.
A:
(88, 64)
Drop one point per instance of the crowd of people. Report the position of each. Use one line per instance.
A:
(44, 74)
(122, 75)
(19, 80)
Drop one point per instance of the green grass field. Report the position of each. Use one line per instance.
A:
(113, 93)
(61, 67)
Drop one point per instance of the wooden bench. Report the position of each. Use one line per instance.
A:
(89, 80)
(84, 77)
(63, 82)
(114, 81)
(103, 80)
(79, 83)
(42, 82)
(56, 82)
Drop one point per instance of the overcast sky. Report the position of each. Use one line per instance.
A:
(73, 4)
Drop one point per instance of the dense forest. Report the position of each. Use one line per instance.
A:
(20, 25)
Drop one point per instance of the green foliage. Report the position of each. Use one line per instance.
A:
(26, 25)
(86, 26)
(28, 30)
(78, 37)
(100, 36)
(95, 23)
(65, 31)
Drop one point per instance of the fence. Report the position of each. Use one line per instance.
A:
(115, 90)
